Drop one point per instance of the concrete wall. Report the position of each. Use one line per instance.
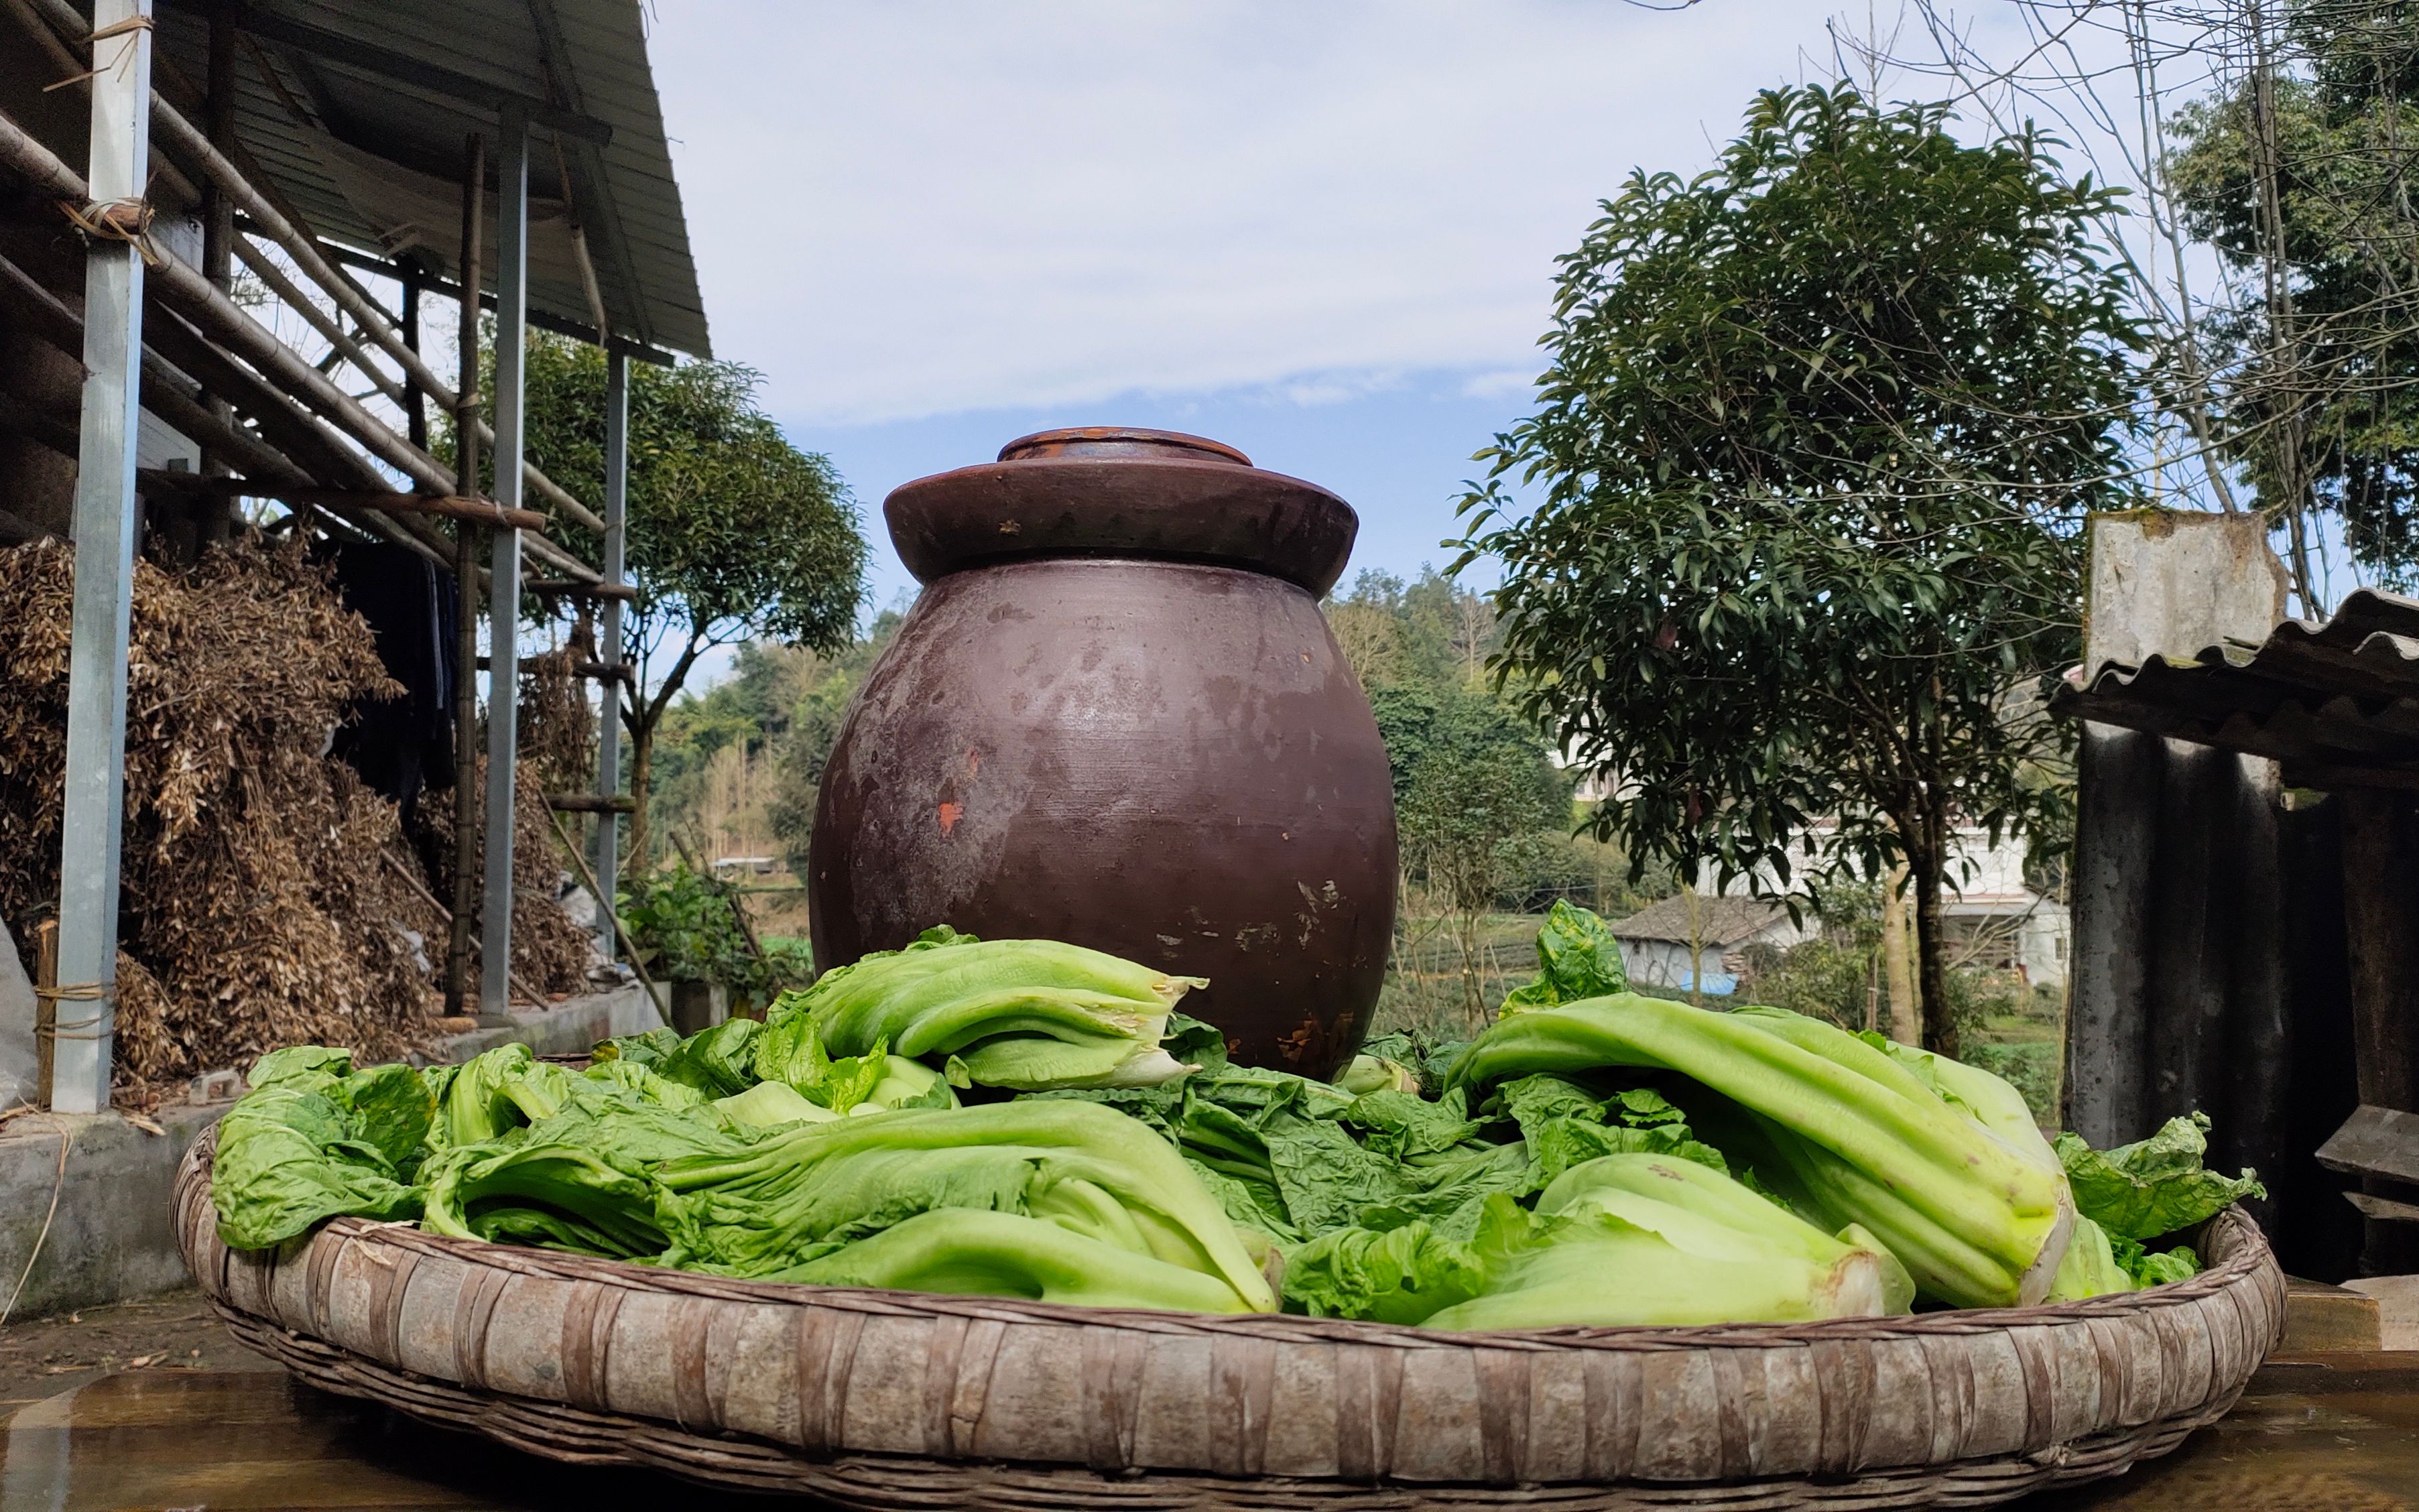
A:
(110, 1237)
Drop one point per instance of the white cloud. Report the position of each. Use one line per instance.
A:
(919, 207)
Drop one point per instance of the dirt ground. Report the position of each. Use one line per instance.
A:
(173, 1331)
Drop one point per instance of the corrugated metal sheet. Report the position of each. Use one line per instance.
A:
(356, 150)
(2337, 703)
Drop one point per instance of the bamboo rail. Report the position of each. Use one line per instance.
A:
(189, 141)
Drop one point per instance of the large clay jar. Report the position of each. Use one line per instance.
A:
(1115, 717)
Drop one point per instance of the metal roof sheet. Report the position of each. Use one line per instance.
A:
(372, 157)
(2337, 702)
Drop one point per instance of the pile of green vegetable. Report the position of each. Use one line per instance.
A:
(1024, 1117)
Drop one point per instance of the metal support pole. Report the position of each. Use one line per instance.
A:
(608, 730)
(93, 820)
(504, 563)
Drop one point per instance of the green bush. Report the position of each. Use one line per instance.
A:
(2031, 1068)
(687, 928)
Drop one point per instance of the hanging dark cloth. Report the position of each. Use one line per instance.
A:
(403, 744)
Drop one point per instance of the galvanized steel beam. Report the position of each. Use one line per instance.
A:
(504, 563)
(93, 820)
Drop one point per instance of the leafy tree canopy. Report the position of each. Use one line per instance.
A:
(2324, 391)
(733, 533)
(1813, 450)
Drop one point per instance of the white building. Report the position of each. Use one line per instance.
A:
(1694, 944)
(1994, 920)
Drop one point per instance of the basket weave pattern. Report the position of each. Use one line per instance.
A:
(886, 1399)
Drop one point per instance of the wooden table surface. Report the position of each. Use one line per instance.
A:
(2335, 1433)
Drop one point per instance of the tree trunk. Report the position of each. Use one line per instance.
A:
(642, 760)
(1906, 1023)
(1927, 862)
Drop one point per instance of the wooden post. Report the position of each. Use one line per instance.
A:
(2380, 871)
(92, 818)
(2155, 990)
(504, 560)
(466, 597)
(415, 398)
(216, 517)
(2380, 863)
(609, 729)
(46, 1008)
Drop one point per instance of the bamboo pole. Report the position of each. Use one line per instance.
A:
(589, 879)
(184, 140)
(328, 325)
(465, 601)
(167, 395)
(385, 500)
(184, 289)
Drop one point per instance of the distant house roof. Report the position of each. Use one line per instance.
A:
(1721, 923)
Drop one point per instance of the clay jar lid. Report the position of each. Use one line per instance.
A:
(1107, 491)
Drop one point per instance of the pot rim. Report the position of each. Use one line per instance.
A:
(1122, 492)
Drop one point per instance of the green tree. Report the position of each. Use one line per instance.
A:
(2297, 178)
(813, 728)
(1475, 799)
(1814, 451)
(733, 533)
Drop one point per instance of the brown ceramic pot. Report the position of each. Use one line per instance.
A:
(1115, 717)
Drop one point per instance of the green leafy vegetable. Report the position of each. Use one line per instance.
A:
(981, 1253)
(2157, 1186)
(295, 1152)
(1397, 1275)
(1578, 958)
(1644, 1239)
(2091, 1267)
(765, 1208)
(1022, 1015)
(2156, 1268)
(1836, 1126)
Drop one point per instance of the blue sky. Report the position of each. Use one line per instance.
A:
(1322, 233)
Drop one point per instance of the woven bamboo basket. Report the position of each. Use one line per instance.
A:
(906, 1400)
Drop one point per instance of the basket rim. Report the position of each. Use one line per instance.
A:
(2232, 1240)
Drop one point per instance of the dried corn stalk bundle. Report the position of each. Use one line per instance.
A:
(558, 727)
(261, 905)
(550, 953)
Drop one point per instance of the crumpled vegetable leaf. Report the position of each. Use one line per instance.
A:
(2153, 1268)
(1397, 1275)
(718, 1061)
(789, 1051)
(1399, 1126)
(293, 1154)
(1559, 1144)
(2157, 1186)
(299, 1063)
(1576, 958)
(392, 1109)
(476, 1106)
